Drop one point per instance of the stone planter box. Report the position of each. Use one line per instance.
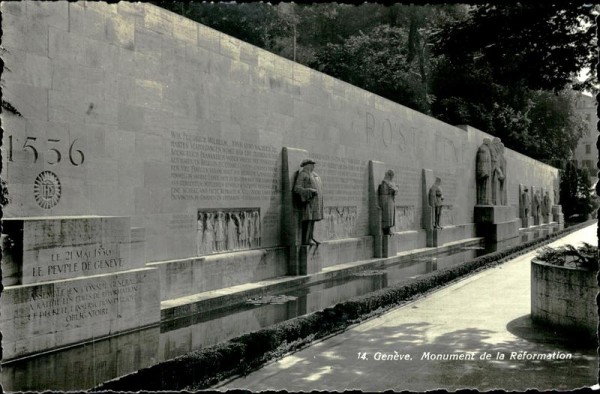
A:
(564, 297)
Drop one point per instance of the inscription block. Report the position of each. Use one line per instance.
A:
(47, 249)
(45, 316)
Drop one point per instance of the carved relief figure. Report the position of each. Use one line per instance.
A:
(435, 201)
(250, 228)
(353, 222)
(387, 196)
(232, 231)
(309, 189)
(347, 222)
(209, 234)
(330, 222)
(484, 172)
(256, 230)
(242, 231)
(220, 231)
(200, 234)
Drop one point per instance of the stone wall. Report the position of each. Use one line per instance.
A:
(564, 297)
(130, 110)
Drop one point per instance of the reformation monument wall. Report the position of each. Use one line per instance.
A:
(149, 158)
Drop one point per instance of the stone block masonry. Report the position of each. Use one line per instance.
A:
(136, 122)
(70, 280)
(139, 112)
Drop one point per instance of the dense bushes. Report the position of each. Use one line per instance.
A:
(206, 367)
(584, 257)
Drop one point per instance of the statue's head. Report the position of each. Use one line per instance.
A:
(438, 181)
(309, 164)
(389, 175)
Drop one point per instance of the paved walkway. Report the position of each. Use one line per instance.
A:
(487, 313)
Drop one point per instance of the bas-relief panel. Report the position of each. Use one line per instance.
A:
(405, 218)
(338, 222)
(447, 216)
(224, 230)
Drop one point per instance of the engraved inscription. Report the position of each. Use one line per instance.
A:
(388, 133)
(343, 177)
(73, 303)
(65, 262)
(213, 169)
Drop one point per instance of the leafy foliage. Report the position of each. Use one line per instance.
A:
(541, 44)
(377, 62)
(507, 69)
(584, 257)
(576, 193)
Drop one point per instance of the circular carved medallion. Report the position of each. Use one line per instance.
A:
(46, 189)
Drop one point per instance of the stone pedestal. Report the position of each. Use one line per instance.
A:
(73, 279)
(439, 237)
(497, 224)
(310, 260)
(527, 221)
(376, 174)
(557, 216)
(389, 245)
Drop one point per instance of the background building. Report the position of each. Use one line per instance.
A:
(585, 154)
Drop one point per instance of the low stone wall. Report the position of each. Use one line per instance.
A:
(564, 297)
(185, 277)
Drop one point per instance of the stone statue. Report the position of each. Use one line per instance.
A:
(536, 205)
(499, 196)
(200, 234)
(546, 205)
(435, 201)
(387, 196)
(526, 204)
(484, 172)
(308, 188)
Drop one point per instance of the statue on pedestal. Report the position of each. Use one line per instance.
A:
(435, 201)
(526, 201)
(308, 188)
(536, 205)
(499, 196)
(484, 172)
(387, 196)
(546, 205)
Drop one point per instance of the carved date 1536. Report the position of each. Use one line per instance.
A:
(76, 156)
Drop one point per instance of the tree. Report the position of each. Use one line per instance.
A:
(378, 62)
(576, 193)
(542, 44)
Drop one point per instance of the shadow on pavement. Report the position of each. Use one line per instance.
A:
(336, 365)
